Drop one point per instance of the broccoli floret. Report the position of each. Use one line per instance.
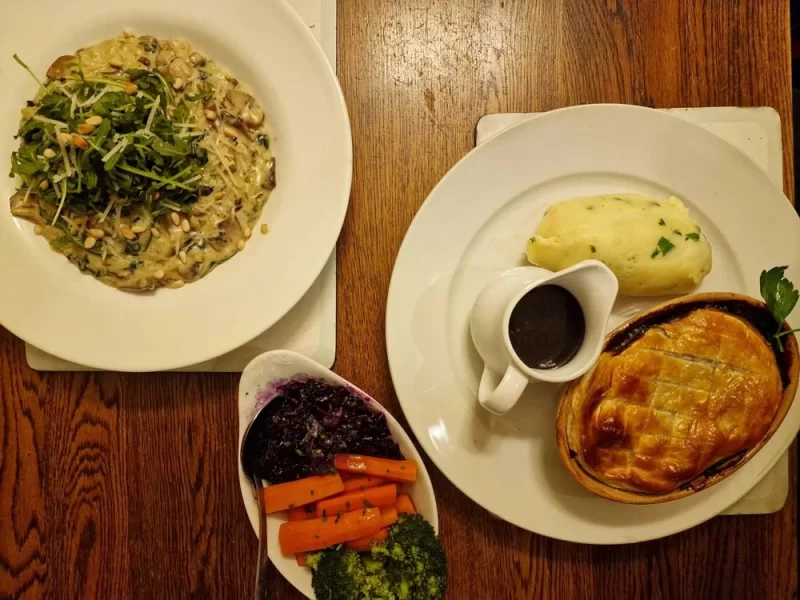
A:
(378, 585)
(338, 574)
(312, 559)
(410, 565)
(413, 559)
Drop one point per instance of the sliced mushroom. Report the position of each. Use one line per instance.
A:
(27, 208)
(236, 101)
(228, 233)
(149, 43)
(232, 120)
(60, 67)
(163, 60)
(181, 69)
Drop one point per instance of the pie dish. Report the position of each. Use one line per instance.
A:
(682, 396)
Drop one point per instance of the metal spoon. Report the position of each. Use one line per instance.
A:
(247, 456)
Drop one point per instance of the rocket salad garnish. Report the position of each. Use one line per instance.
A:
(88, 139)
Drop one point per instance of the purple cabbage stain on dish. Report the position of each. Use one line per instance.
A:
(309, 421)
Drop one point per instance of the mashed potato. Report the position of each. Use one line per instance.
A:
(652, 246)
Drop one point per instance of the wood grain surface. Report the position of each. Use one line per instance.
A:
(117, 486)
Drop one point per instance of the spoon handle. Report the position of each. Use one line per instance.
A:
(262, 588)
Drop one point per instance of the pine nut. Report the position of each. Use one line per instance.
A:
(49, 153)
(247, 233)
(240, 245)
(159, 274)
(79, 142)
(185, 226)
(89, 242)
(94, 120)
(85, 128)
(182, 256)
(230, 131)
(127, 233)
(176, 218)
(116, 63)
(44, 185)
(38, 230)
(97, 233)
(139, 228)
(265, 229)
(254, 116)
(219, 195)
(211, 115)
(177, 284)
(155, 232)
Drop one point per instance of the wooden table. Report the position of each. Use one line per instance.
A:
(116, 486)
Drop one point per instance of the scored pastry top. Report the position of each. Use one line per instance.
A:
(674, 403)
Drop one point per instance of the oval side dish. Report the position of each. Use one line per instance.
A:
(350, 444)
(681, 397)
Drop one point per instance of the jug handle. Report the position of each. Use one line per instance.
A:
(499, 397)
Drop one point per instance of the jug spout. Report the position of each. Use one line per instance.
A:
(593, 284)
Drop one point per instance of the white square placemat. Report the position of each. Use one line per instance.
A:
(757, 133)
(310, 327)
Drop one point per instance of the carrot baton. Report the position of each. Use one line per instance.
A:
(317, 534)
(388, 516)
(300, 513)
(284, 496)
(359, 484)
(385, 495)
(405, 504)
(364, 544)
(404, 471)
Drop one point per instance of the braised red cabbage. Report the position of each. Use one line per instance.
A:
(307, 423)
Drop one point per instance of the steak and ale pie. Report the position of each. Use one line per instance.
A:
(680, 398)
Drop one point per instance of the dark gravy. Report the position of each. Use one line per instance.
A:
(546, 327)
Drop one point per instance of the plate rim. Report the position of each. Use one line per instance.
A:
(393, 300)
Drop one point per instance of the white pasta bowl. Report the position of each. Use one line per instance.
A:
(50, 304)
(281, 365)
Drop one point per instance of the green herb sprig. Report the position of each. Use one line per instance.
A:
(780, 296)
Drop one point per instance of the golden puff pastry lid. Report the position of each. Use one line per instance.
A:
(680, 398)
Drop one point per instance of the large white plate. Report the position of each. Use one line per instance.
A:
(475, 223)
(50, 304)
(280, 365)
